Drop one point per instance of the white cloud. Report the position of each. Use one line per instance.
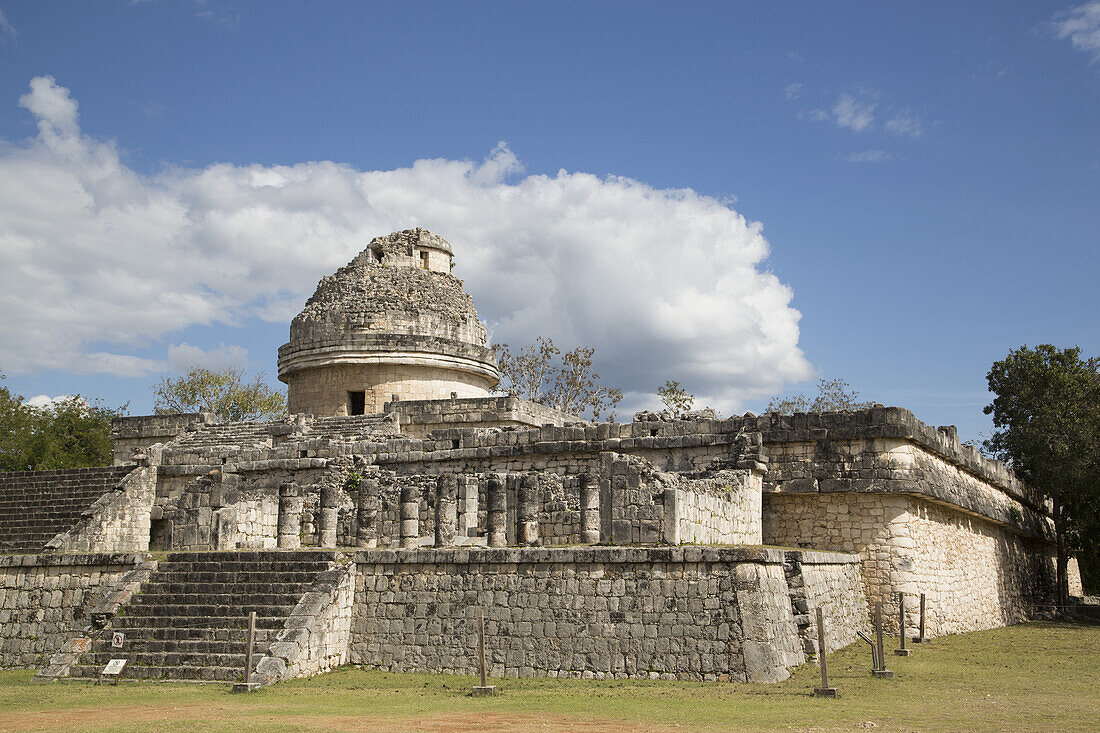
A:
(6, 29)
(854, 112)
(869, 156)
(182, 357)
(794, 91)
(1081, 25)
(906, 124)
(97, 260)
(45, 401)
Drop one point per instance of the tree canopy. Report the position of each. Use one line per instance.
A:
(1046, 418)
(68, 433)
(675, 398)
(223, 393)
(540, 372)
(833, 395)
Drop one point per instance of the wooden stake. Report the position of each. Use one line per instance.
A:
(824, 690)
(485, 688)
(251, 642)
(902, 652)
(920, 639)
(881, 671)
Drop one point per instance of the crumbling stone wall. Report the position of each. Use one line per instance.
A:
(45, 599)
(660, 613)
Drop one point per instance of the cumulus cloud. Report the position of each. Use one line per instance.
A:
(45, 401)
(1081, 25)
(869, 156)
(98, 261)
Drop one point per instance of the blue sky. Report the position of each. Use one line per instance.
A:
(926, 177)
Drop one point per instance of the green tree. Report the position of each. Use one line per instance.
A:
(1046, 419)
(540, 372)
(833, 395)
(676, 398)
(223, 393)
(69, 433)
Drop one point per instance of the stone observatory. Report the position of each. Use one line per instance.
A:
(392, 325)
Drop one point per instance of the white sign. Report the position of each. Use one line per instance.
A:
(115, 666)
(116, 639)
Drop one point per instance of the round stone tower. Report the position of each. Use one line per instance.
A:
(393, 321)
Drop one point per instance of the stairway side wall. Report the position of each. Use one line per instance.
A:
(45, 599)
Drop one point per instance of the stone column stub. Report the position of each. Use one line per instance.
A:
(497, 511)
(367, 512)
(446, 510)
(410, 516)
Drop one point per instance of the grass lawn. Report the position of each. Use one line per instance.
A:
(1034, 677)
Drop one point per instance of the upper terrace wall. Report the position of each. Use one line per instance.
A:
(138, 432)
(418, 418)
(881, 451)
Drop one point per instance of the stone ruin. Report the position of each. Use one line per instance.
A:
(402, 498)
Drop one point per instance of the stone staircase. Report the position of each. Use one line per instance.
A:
(234, 435)
(353, 428)
(35, 506)
(190, 621)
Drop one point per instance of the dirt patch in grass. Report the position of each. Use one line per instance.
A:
(157, 717)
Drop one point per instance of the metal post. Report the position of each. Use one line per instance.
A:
(251, 642)
(902, 652)
(881, 670)
(824, 690)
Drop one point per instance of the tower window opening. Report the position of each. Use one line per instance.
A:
(424, 259)
(377, 253)
(357, 403)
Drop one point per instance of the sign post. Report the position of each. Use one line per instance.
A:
(114, 668)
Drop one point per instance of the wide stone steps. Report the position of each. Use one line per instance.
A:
(190, 620)
(166, 674)
(153, 638)
(249, 589)
(35, 506)
(237, 435)
(239, 620)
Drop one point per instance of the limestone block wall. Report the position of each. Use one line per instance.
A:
(593, 612)
(419, 418)
(138, 432)
(976, 574)
(724, 509)
(45, 599)
(118, 521)
(323, 391)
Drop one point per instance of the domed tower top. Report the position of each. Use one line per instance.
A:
(391, 324)
(409, 248)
